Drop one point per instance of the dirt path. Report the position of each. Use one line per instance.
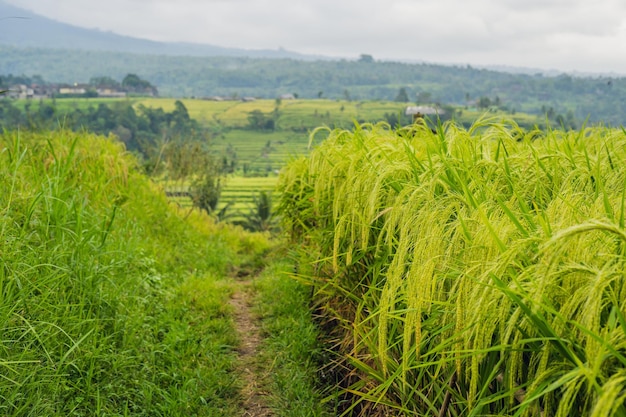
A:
(254, 398)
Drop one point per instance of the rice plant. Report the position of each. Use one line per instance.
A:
(472, 271)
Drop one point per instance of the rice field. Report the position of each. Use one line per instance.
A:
(298, 114)
(260, 153)
(468, 272)
(239, 191)
(237, 197)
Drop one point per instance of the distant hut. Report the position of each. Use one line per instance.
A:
(419, 112)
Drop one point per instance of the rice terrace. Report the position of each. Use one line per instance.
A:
(453, 272)
(201, 231)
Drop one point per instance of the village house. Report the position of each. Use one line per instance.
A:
(21, 91)
(76, 89)
(418, 112)
(34, 91)
(229, 98)
(110, 92)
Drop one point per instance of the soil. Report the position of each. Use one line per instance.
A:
(254, 402)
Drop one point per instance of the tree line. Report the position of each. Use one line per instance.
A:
(140, 129)
(598, 98)
(169, 145)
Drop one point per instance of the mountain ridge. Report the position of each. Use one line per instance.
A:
(22, 28)
(25, 29)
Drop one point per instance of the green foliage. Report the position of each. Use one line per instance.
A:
(484, 103)
(109, 303)
(600, 97)
(469, 272)
(402, 96)
(104, 81)
(205, 191)
(257, 120)
(261, 218)
(142, 130)
(132, 83)
(291, 352)
(9, 80)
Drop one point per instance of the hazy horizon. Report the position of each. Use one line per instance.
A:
(569, 36)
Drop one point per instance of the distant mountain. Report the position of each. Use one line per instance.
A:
(22, 28)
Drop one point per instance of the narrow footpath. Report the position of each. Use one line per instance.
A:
(254, 397)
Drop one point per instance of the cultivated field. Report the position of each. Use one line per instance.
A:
(239, 191)
(469, 272)
(237, 197)
(457, 272)
(256, 152)
(306, 114)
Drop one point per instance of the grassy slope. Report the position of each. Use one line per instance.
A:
(111, 303)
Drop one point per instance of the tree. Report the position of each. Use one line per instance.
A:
(206, 191)
(402, 96)
(132, 83)
(366, 58)
(181, 121)
(180, 111)
(392, 119)
(261, 217)
(257, 120)
(484, 102)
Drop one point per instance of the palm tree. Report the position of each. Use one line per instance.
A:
(261, 217)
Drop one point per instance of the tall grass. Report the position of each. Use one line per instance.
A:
(108, 301)
(290, 351)
(472, 272)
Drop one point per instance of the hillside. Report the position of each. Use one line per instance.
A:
(23, 28)
(109, 294)
(599, 99)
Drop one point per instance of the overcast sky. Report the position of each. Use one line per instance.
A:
(567, 35)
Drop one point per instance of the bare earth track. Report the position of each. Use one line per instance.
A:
(254, 398)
